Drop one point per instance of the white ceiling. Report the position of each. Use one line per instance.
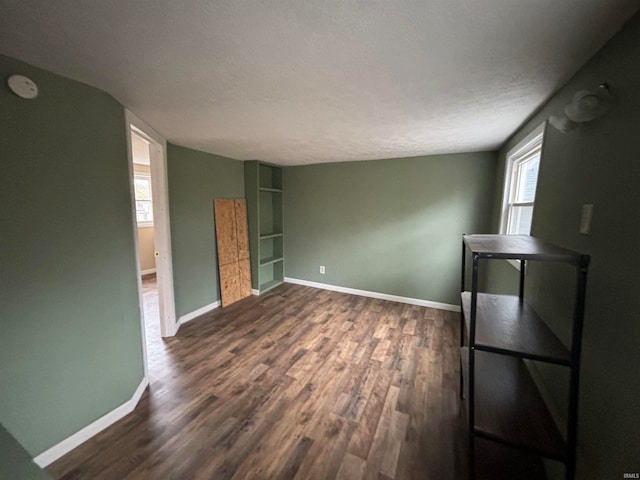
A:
(295, 82)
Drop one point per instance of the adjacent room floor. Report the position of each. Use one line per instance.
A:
(298, 383)
(159, 362)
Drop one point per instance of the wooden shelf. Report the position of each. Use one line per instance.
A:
(270, 260)
(270, 235)
(273, 190)
(494, 461)
(519, 247)
(269, 285)
(508, 406)
(505, 324)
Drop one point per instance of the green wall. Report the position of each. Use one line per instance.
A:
(388, 226)
(598, 164)
(70, 347)
(195, 180)
(15, 461)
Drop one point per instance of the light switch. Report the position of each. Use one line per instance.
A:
(585, 219)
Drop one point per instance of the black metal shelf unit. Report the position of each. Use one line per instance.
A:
(497, 334)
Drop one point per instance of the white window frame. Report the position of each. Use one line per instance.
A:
(144, 176)
(534, 142)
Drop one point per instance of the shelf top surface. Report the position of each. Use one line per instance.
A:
(522, 247)
(507, 325)
(269, 260)
(270, 235)
(269, 285)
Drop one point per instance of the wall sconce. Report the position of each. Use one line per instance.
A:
(586, 106)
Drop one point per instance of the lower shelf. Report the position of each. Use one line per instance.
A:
(270, 274)
(508, 406)
(505, 324)
(269, 260)
(494, 461)
(269, 285)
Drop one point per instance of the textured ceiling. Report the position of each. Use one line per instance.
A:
(296, 82)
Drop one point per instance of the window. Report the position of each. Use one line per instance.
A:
(521, 180)
(142, 191)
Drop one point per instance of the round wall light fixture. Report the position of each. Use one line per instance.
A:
(586, 106)
(22, 86)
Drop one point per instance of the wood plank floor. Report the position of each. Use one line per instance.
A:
(299, 383)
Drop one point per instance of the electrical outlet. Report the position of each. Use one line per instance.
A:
(585, 218)
(322, 269)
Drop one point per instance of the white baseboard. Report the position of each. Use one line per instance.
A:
(148, 271)
(51, 455)
(196, 313)
(381, 296)
(202, 310)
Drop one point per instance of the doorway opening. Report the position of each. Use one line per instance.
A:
(150, 213)
(143, 198)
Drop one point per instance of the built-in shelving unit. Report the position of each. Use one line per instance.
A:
(264, 194)
(506, 413)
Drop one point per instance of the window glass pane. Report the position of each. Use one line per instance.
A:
(519, 220)
(521, 180)
(144, 211)
(527, 179)
(142, 207)
(142, 189)
(142, 193)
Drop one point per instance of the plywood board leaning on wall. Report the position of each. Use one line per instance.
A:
(233, 249)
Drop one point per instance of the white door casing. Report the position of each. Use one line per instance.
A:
(162, 231)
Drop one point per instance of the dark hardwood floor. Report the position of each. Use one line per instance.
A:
(298, 383)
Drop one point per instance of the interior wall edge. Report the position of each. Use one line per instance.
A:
(52, 454)
(196, 313)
